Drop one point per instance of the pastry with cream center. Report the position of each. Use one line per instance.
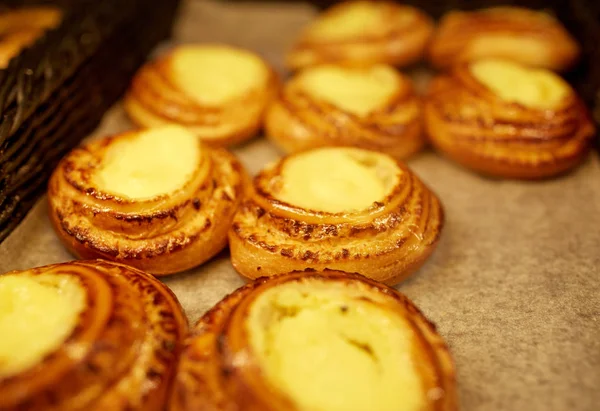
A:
(157, 199)
(218, 92)
(361, 33)
(508, 120)
(372, 107)
(366, 343)
(87, 335)
(336, 208)
(525, 36)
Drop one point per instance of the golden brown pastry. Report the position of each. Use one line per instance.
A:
(529, 37)
(371, 107)
(20, 28)
(364, 32)
(345, 209)
(218, 92)
(158, 200)
(87, 335)
(325, 341)
(507, 120)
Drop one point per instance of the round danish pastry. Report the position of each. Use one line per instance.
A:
(345, 209)
(371, 107)
(87, 335)
(364, 32)
(506, 120)
(158, 199)
(218, 92)
(21, 27)
(325, 341)
(529, 37)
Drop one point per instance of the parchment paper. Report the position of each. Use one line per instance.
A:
(514, 285)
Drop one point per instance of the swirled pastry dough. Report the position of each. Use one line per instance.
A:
(87, 335)
(371, 107)
(529, 37)
(218, 92)
(339, 208)
(363, 32)
(159, 199)
(325, 341)
(506, 120)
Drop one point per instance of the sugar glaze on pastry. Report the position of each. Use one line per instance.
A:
(218, 92)
(87, 335)
(318, 341)
(506, 120)
(530, 37)
(371, 107)
(363, 32)
(339, 208)
(157, 199)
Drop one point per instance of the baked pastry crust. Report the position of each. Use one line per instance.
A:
(472, 125)
(387, 241)
(155, 98)
(301, 120)
(220, 371)
(121, 355)
(380, 32)
(20, 28)
(163, 234)
(529, 37)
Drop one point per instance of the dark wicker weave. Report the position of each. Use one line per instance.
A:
(56, 92)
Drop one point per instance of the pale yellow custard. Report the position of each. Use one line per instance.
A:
(213, 75)
(337, 180)
(37, 314)
(512, 82)
(149, 163)
(328, 349)
(356, 90)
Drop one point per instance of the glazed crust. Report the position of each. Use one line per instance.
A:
(299, 121)
(457, 37)
(387, 242)
(161, 235)
(22, 27)
(389, 42)
(471, 125)
(122, 354)
(154, 100)
(211, 377)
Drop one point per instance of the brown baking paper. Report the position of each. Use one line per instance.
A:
(514, 285)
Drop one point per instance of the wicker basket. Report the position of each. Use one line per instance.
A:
(56, 91)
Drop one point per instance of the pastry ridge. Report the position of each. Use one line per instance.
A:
(212, 375)
(503, 138)
(130, 332)
(163, 234)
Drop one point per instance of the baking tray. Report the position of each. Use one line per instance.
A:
(514, 285)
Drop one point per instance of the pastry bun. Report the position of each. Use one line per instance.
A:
(371, 107)
(506, 120)
(218, 92)
(315, 341)
(525, 36)
(363, 32)
(21, 27)
(87, 335)
(157, 199)
(345, 209)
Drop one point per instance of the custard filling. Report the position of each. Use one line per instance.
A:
(331, 348)
(213, 75)
(336, 180)
(148, 163)
(355, 90)
(37, 314)
(512, 82)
